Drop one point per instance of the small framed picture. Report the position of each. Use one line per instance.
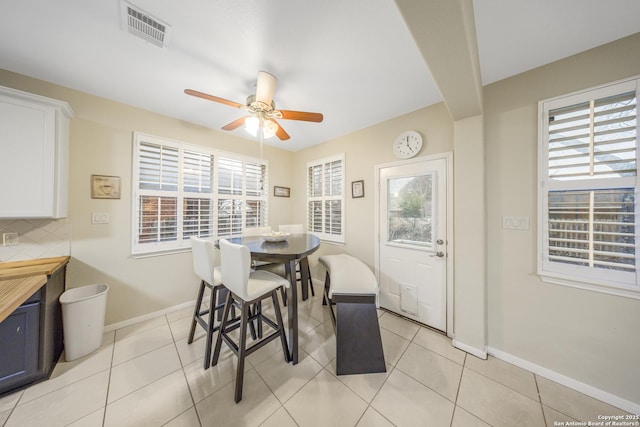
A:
(105, 187)
(281, 191)
(357, 189)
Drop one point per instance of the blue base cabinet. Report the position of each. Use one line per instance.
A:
(31, 340)
(20, 333)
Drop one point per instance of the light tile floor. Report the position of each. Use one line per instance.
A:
(147, 375)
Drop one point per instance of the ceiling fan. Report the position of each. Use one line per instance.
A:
(262, 109)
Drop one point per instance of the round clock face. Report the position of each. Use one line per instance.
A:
(407, 144)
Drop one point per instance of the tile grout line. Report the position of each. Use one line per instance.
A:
(544, 418)
(136, 357)
(505, 385)
(455, 403)
(106, 397)
(184, 374)
(13, 408)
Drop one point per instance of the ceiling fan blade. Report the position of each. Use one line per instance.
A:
(235, 124)
(265, 87)
(302, 115)
(212, 98)
(281, 133)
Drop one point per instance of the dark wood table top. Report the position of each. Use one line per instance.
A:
(297, 246)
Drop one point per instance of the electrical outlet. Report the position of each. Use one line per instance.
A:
(99, 218)
(515, 222)
(10, 239)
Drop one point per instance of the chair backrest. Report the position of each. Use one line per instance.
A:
(235, 263)
(256, 231)
(291, 228)
(205, 258)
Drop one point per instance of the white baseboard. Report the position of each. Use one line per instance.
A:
(591, 391)
(319, 284)
(469, 349)
(148, 316)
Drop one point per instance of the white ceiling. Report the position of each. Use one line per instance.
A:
(352, 60)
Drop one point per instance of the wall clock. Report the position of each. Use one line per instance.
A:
(407, 144)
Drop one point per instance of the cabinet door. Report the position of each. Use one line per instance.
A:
(19, 343)
(27, 138)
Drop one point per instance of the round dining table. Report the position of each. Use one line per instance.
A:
(295, 249)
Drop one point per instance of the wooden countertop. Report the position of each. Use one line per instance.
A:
(19, 280)
(34, 267)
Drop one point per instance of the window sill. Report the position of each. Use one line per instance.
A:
(332, 242)
(627, 291)
(159, 253)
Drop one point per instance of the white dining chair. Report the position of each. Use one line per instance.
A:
(205, 260)
(247, 288)
(297, 229)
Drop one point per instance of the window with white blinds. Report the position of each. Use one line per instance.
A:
(325, 198)
(180, 191)
(242, 196)
(588, 188)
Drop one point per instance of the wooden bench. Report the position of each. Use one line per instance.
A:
(352, 288)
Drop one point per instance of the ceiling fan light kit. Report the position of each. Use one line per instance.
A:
(253, 124)
(262, 110)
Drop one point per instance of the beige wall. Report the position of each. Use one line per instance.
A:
(590, 337)
(101, 143)
(364, 150)
(470, 286)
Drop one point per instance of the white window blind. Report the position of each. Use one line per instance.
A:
(175, 194)
(325, 198)
(242, 201)
(588, 187)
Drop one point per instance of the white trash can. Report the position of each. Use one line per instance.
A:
(83, 311)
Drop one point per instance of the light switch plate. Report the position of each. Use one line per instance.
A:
(515, 222)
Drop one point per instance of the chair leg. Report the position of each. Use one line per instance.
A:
(313, 294)
(196, 312)
(252, 327)
(258, 308)
(283, 293)
(283, 337)
(242, 347)
(223, 326)
(211, 328)
(327, 283)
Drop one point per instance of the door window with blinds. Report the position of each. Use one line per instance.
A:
(325, 198)
(588, 189)
(180, 191)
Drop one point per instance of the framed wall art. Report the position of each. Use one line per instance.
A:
(281, 191)
(357, 189)
(105, 187)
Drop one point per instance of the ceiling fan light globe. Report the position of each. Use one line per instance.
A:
(269, 129)
(251, 125)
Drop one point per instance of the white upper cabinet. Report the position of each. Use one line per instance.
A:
(34, 155)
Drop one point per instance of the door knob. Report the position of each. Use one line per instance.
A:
(438, 254)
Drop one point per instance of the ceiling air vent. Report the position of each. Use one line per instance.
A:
(140, 23)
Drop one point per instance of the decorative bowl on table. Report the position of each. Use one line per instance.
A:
(275, 236)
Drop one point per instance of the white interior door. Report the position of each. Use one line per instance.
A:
(412, 247)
